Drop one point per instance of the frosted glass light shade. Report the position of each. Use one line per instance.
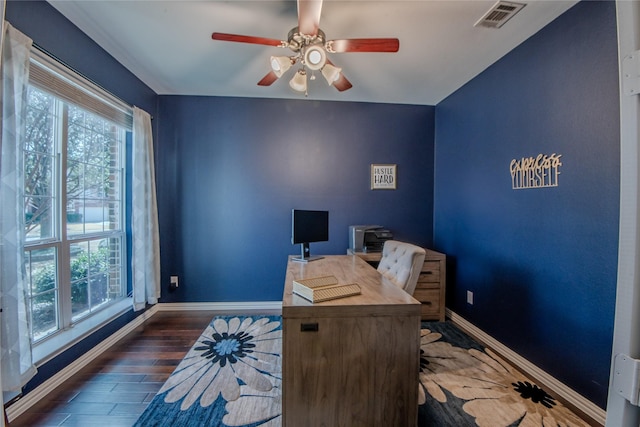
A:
(299, 81)
(280, 64)
(331, 73)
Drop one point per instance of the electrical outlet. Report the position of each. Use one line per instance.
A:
(469, 297)
(174, 281)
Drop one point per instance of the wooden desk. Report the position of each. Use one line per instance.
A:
(352, 361)
(432, 283)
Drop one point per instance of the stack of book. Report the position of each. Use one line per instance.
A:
(318, 289)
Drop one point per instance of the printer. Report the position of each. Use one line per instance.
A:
(368, 238)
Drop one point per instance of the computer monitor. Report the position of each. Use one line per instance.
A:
(308, 227)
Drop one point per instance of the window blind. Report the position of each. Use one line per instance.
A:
(52, 76)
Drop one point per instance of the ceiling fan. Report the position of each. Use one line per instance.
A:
(310, 47)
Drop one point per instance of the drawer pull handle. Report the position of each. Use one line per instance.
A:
(308, 327)
(427, 302)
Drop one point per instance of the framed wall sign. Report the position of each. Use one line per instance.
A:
(383, 177)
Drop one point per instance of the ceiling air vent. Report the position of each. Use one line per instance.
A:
(500, 13)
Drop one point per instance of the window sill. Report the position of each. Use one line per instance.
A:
(56, 344)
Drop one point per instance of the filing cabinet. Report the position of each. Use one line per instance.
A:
(431, 287)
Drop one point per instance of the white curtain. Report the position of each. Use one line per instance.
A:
(17, 367)
(145, 258)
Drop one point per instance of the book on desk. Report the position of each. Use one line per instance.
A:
(324, 288)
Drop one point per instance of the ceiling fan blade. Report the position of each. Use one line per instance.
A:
(309, 16)
(342, 83)
(248, 39)
(363, 45)
(268, 79)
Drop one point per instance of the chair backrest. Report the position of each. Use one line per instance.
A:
(401, 263)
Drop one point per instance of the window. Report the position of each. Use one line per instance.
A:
(73, 201)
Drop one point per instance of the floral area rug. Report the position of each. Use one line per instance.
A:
(464, 384)
(230, 377)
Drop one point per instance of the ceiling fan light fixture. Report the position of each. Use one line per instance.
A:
(299, 81)
(315, 57)
(280, 64)
(310, 47)
(331, 73)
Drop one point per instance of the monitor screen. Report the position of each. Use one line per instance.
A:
(309, 226)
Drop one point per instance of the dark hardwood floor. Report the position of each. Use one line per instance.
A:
(115, 388)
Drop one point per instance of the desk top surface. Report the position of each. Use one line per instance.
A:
(379, 296)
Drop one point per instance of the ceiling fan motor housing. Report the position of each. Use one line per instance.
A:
(298, 41)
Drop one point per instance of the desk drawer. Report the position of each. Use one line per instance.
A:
(430, 299)
(428, 285)
(430, 272)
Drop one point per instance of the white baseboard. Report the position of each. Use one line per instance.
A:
(581, 403)
(239, 306)
(23, 404)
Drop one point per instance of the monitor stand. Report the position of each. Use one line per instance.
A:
(305, 254)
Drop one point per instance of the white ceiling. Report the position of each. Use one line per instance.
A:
(167, 44)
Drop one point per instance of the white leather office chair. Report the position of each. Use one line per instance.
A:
(401, 263)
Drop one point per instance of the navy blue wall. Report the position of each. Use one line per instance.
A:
(541, 262)
(231, 169)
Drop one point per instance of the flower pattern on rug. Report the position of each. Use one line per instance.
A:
(495, 394)
(254, 406)
(229, 354)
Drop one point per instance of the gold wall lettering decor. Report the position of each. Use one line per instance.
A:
(535, 172)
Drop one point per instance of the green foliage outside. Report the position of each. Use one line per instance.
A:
(88, 274)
